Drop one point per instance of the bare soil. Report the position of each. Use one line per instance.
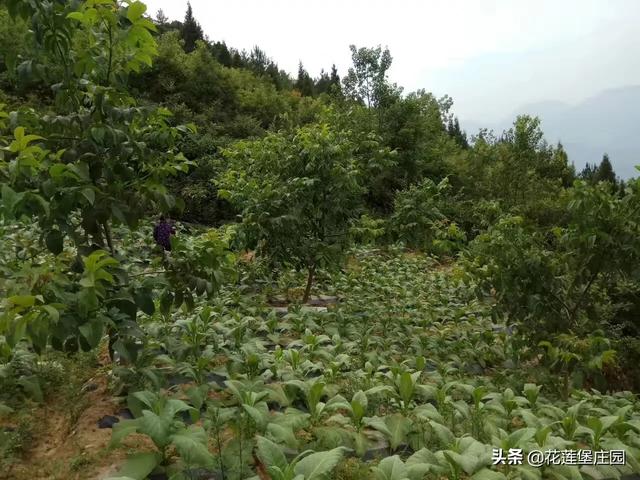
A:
(67, 443)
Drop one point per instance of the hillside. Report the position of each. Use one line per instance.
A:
(210, 270)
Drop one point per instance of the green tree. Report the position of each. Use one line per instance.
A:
(454, 131)
(304, 83)
(13, 44)
(559, 281)
(521, 165)
(335, 86)
(258, 60)
(605, 171)
(418, 212)
(221, 53)
(94, 161)
(322, 83)
(588, 173)
(191, 30)
(298, 193)
(412, 127)
(161, 19)
(366, 82)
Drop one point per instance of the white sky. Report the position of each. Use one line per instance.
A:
(491, 56)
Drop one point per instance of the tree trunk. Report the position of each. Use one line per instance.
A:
(112, 340)
(307, 291)
(565, 393)
(107, 231)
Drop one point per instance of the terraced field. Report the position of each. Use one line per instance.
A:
(400, 373)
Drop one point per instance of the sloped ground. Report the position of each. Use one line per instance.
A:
(438, 374)
(66, 441)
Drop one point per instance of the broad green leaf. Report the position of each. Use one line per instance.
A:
(519, 438)
(608, 421)
(563, 471)
(361, 399)
(139, 465)
(76, 16)
(155, 427)
(121, 430)
(197, 395)
(593, 473)
(138, 400)
(418, 471)
(9, 200)
(89, 194)
(92, 331)
(191, 445)
(318, 465)
(486, 474)
(271, 454)
(53, 313)
(379, 389)
(256, 415)
(406, 387)
(135, 11)
(399, 426)
(423, 455)
(391, 468)
(428, 412)
(174, 406)
(378, 424)
(445, 435)
(23, 300)
(361, 443)
(283, 434)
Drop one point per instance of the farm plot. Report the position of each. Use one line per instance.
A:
(405, 376)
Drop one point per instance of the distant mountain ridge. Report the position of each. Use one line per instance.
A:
(608, 122)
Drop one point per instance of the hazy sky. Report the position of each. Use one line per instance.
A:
(491, 56)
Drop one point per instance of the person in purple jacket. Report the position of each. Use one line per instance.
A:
(162, 233)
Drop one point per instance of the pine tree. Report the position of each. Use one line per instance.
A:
(304, 83)
(588, 173)
(258, 60)
(335, 85)
(454, 131)
(161, 18)
(461, 137)
(322, 83)
(449, 128)
(191, 30)
(605, 171)
(221, 53)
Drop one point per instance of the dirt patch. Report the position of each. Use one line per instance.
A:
(67, 443)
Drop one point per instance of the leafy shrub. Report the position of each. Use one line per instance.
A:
(368, 230)
(417, 213)
(557, 280)
(297, 193)
(449, 238)
(158, 417)
(579, 360)
(511, 259)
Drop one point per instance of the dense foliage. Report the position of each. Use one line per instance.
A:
(481, 294)
(297, 193)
